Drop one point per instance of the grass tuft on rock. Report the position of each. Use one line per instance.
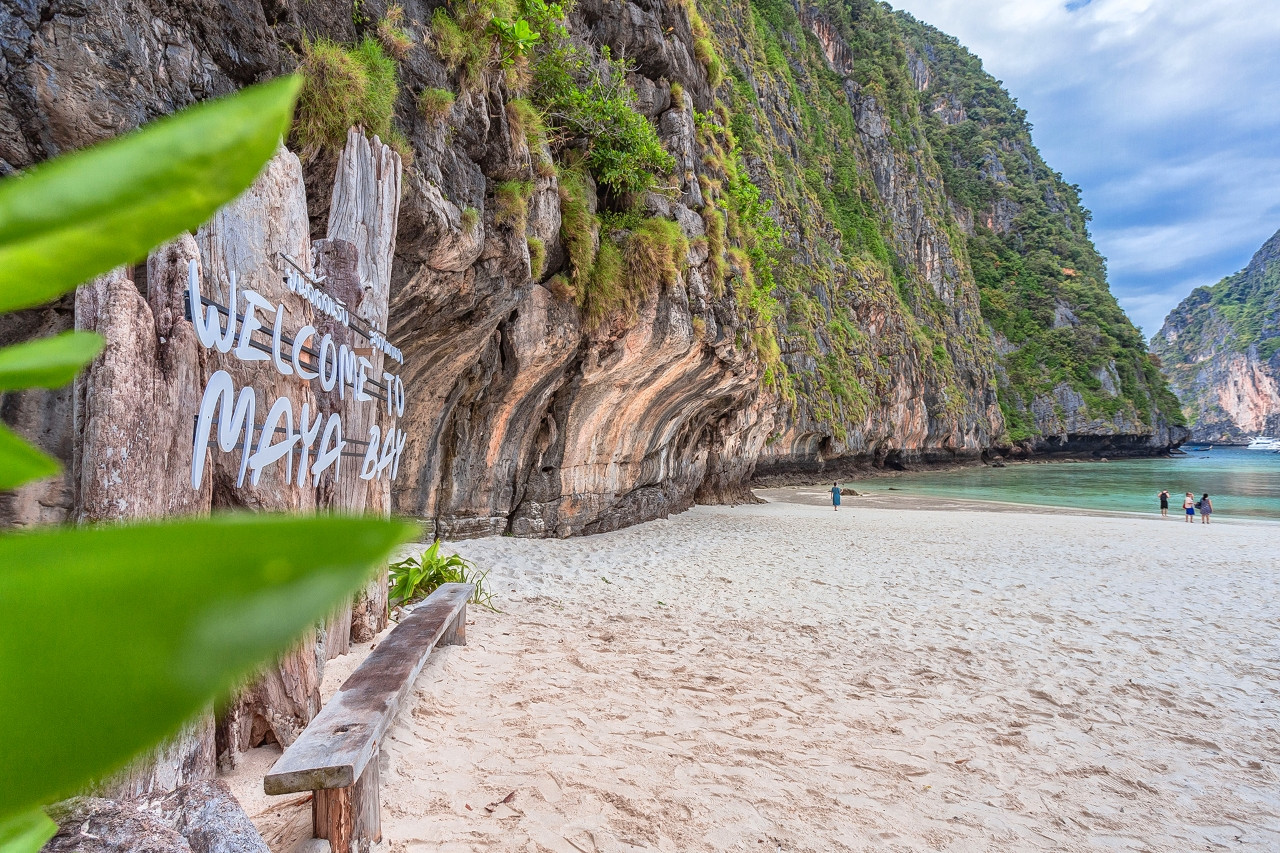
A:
(561, 288)
(606, 292)
(511, 204)
(526, 123)
(391, 34)
(435, 104)
(579, 226)
(344, 87)
(537, 257)
(657, 254)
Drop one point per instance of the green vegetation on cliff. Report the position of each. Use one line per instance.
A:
(871, 199)
(860, 319)
(1043, 284)
(1237, 313)
(1222, 343)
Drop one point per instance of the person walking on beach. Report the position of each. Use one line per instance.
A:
(1206, 508)
(835, 497)
(1189, 506)
(1164, 503)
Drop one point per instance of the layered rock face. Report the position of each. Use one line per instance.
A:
(810, 305)
(1221, 350)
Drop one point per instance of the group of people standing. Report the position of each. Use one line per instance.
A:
(1189, 506)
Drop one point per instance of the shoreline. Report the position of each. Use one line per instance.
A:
(817, 495)
(866, 470)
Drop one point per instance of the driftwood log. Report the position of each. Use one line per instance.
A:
(337, 756)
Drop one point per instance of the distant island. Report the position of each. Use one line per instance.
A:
(1221, 351)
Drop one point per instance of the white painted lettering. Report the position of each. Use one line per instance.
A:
(307, 432)
(400, 440)
(252, 304)
(305, 334)
(362, 376)
(330, 367)
(331, 445)
(369, 467)
(234, 426)
(269, 450)
(277, 360)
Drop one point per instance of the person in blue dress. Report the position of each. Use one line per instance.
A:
(835, 496)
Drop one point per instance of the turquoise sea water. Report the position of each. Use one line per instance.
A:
(1242, 483)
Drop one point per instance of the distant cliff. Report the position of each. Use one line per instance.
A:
(1221, 350)
(1073, 369)
(655, 252)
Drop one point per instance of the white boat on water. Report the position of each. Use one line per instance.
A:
(1263, 442)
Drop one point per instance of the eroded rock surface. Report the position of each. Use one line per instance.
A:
(202, 817)
(523, 416)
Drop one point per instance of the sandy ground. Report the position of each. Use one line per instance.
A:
(787, 678)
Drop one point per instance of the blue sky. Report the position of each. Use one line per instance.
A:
(1166, 112)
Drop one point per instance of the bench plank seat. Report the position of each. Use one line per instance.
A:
(336, 747)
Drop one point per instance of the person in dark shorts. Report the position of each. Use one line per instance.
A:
(1164, 503)
(1206, 508)
(1189, 507)
(835, 496)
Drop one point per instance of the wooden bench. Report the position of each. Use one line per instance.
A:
(336, 756)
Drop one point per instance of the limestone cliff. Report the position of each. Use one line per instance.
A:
(1221, 350)
(1073, 370)
(646, 256)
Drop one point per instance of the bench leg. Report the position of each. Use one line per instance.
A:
(350, 818)
(456, 635)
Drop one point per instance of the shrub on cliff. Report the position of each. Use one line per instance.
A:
(1042, 283)
(435, 104)
(344, 87)
(591, 107)
(656, 254)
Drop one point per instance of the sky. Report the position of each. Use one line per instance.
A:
(1165, 112)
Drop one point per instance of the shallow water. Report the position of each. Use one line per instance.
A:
(1241, 483)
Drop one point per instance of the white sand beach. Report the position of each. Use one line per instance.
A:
(782, 677)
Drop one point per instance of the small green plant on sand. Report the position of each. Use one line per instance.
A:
(414, 578)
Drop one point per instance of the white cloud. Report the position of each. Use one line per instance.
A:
(1164, 111)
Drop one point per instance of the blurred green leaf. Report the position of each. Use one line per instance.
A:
(47, 362)
(20, 462)
(26, 833)
(161, 618)
(78, 216)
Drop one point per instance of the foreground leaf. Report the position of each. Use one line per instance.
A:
(113, 637)
(20, 462)
(26, 833)
(78, 216)
(47, 362)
